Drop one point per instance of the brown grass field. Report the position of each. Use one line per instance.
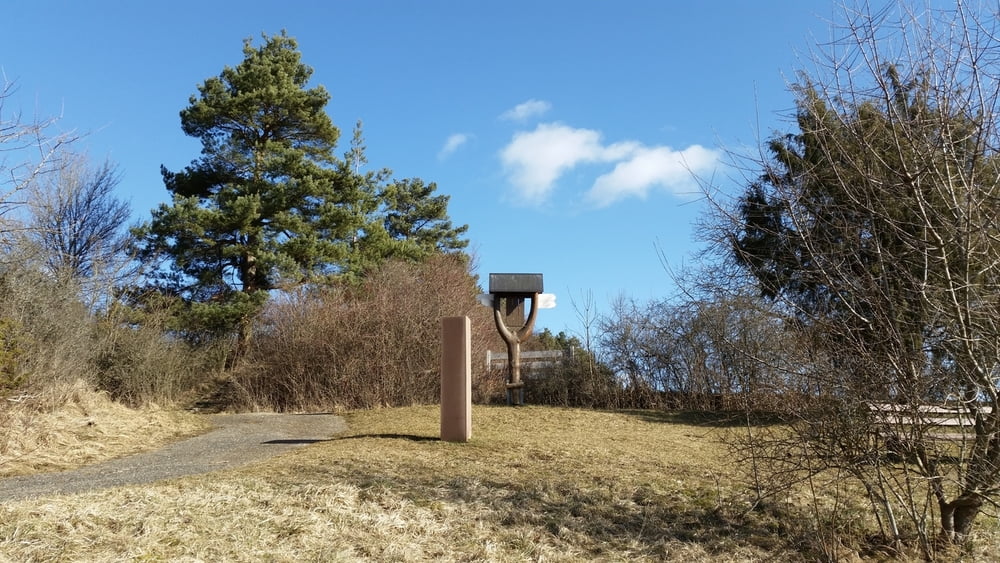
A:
(88, 428)
(533, 484)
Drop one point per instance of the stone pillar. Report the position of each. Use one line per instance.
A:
(456, 379)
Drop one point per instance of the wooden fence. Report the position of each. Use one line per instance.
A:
(945, 422)
(531, 361)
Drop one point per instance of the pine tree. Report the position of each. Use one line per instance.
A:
(268, 206)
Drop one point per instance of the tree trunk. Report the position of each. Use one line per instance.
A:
(958, 516)
(248, 277)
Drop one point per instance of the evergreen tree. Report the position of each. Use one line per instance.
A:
(268, 206)
(403, 219)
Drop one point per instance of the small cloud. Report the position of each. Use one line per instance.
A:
(649, 167)
(452, 144)
(530, 108)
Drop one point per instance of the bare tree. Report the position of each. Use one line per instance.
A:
(708, 352)
(873, 228)
(28, 150)
(587, 316)
(77, 221)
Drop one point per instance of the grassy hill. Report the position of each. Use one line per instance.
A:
(533, 484)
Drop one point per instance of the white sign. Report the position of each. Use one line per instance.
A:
(545, 300)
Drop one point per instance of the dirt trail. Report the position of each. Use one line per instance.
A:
(235, 440)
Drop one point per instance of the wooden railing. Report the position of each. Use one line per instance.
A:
(946, 422)
(533, 360)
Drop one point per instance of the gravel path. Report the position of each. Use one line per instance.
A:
(236, 439)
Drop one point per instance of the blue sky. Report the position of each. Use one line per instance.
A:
(565, 132)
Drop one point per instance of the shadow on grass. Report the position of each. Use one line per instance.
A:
(714, 419)
(297, 441)
(636, 520)
(694, 418)
(410, 437)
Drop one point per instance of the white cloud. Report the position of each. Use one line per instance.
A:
(535, 160)
(452, 144)
(530, 108)
(649, 167)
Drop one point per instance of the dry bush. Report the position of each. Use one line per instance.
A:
(371, 345)
(46, 336)
(50, 342)
(871, 225)
(141, 364)
(577, 381)
(49, 349)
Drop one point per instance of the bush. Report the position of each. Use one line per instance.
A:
(574, 383)
(11, 356)
(142, 364)
(51, 344)
(44, 336)
(374, 344)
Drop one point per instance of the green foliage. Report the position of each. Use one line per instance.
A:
(403, 219)
(268, 206)
(416, 217)
(262, 207)
(545, 340)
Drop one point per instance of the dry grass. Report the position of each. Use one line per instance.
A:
(533, 484)
(86, 428)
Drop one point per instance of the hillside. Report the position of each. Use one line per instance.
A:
(533, 484)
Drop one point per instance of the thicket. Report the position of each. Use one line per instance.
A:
(579, 379)
(870, 227)
(51, 343)
(373, 343)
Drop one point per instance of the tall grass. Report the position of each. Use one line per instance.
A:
(86, 427)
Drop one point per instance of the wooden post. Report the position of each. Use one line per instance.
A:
(456, 379)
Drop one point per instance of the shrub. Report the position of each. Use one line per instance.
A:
(11, 355)
(578, 381)
(142, 364)
(44, 336)
(51, 344)
(373, 344)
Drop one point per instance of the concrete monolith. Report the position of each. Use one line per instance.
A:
(456, 379)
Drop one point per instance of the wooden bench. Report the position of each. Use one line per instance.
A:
(939, 421)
